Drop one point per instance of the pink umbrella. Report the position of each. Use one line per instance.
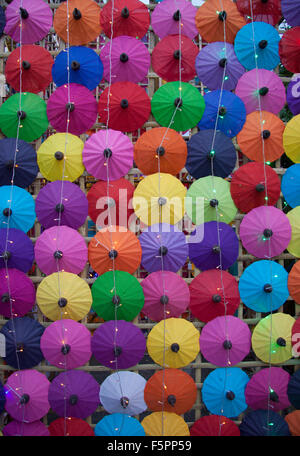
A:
(27, 395)
(82, 109)
(60, 248)
(66, 344)
(108, 154)
(17, 293)
(19, 429)
(225, 341)
(169, 15)
(166, 295)
(265, 231)
(125, 59)
(264, 83)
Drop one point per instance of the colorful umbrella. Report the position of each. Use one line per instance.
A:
(164, 241)
(28, 20)
(293, 421)
(60, 157)
(64, 295)
(215, 426)
(60, 248)
(169, 15)
(177, 105)
(264, 423)
(252, 184)
(291, 139)
(260, 10)
(214, 293)
(2, 20)
(294, 246)
(118, 424)
(70, 426)
(17, 208)
(16, 249)
(117, 295)
(74, 393)
(166, 295)
(17, 293)
(27, 395)
(293, 95)
(290, 12)
(289, 49)
(173, 343)
(66, 344)
(124, 106)
(223, 391)
(293, 389)
(2, 397)
(293, 282)
(118, 344)
(165, 424)
(295, 337)
(21, 429)
(170, 390)
(123, 392)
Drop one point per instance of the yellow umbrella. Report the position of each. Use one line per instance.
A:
(64, 295)
(271, 338)
(165, 424)
(173, 342)
(159, 198)
(294, 218)
(291, 139)
(60, 157)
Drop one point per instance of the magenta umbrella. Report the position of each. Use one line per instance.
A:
(27, 395)
(73, 102)
(125, 58)
(60, 248)
(225, 341)
(108, 154)
(66, 344)
(263, 84)
(171, 15)
(20, 429)
(166, 295)
(17, 293)
(265, 231)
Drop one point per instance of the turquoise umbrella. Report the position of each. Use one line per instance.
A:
(17, 208)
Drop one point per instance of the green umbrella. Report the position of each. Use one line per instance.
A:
(123, 302)
(33, 116)
(188, 99)
(208, 198)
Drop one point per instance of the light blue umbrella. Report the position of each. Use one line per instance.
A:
(263, 286)
(118, 424)
(17, 208)
(290, 185)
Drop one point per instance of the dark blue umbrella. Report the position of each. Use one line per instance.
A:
(16, 249)
(206, 154)
(22, 337)
(2, 20)
(264, 423)
(25, 160)
(293, 390)
(2, 398)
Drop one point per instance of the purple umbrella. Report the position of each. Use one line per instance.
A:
(291, 12)
(17, 293)
(293, 94)
(74, 393)
(16, 249)
(19, 429)
(65, 198)
(169, 15)
(118, 345)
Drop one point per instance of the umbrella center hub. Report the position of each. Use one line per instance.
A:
(62, 302)
(21, 115)
(222, 16)
(75, 65)
(113, 254)
(213, 202)
(263, 91)
(125, 12)
(73, 399)
(177, 15)
(263, 44)
(266, 134)
(6, 255)
(163, 250)
(227, 344)
(20, 347)
(264, 1)
(59, 155)
(162, 201)
(9, 164)
(5, 298)
(222, 62)
(24, 13)
(175, 347)
(24, 399)
(124, 57)
(216, 298)
(268, 233)
(117, 351)
(268, 288)
(171, 399)
(230, 395)
(273, 395)
(178, 102)
(164, 299)
(77, 14)
(211, 154)
(260, 188)
(26, 65)
(65, 349)
(70, 107)
(59, 208)
(216, 249)
(124, 103)
(124, 402)
(7, 212)
(281, 342)
(107, 153)
(58, 254)
(222, 111)
(116, 300)
(160, 151)
(177, 54)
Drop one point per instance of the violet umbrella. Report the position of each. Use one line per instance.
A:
(293, 94)
(265, 231)
(166, 295)
(170, 16)
(20, 429)
(108, 154)
(17, 293)
(16, 249)
(290, 11)
(118, 344)
(74, 393)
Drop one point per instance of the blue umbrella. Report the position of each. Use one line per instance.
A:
(228, 108)
(25, 160)
(22, 338)
(118, 424)
(16, 249)
(263, 286)
(2, 20)
(293, 390)
(2, 398)
(290, 185)
(264, 423)
(209, 150)
(223, 391)
(17, 208)
(86, 67)
(257, 46)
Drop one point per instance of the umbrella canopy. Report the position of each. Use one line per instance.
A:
(293, 282)
(2, 20)
(27, 395)
(177, 105)
(293, 421)
(70, 426)
(74, 393)
(18, 162)
(34, 68)
(173, 343)
(17, 208)
(260, 10)
(291, 139)
(32, 116)
(118, 424)
(66, 344)
(211, 299)
(295, 337)
(60, 248)
(169, 15)
(28, 20)
(2, 397)
(215, 426)
(293, 389)
(64, 295)
(290, 12)
(78, 22)
(117, 295)
(166, 295)
(294, 246)
(16, 249)
(118, 344)
(252, 184)
(264, 423)
(127, 104)
(21, 429)
(123, 392)
(223, 391)
(17, 293)
(165, 424)
(170, 390)
(289, 49)
(293, 95)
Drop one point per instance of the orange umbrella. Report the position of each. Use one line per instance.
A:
(172, 390)
(84, 21)
(164, 144)
(293, 421)
(114, 248)
(262, 137)
(294, 282)
(212, 15)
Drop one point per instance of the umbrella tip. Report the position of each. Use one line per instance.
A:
(227, 344)
(113, 254)
(263, 44)
(263, 91)
(59, 155)
(21, 115)
(7, 211)
(26, 65)
(281, 342)
(178, 102)
(6, 255)
(222, 62)
(171, 399)
(73, 399)
(222, 16)
(124, 103)
(268, 233)
(125, 12)
(260, 187)
(124, 57)
(58, 254)
(5, 298)
(116, 300)
(75, 65)
(24, 13)
(107, 153)
(163, 250)
(77, 14)
(117, 350)
(177, 15)
(70, 107)
(266, 134)
(164, 299)
(124, 401)
(62, 302)
(213, 202)
(59, 208)
(177, 54)
(230, 395)
(65, 349)
(268, 288)
(24, 399)
(175, 347)
(216, 298)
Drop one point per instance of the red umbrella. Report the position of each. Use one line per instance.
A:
(263, 10)
(169, 53)
(70, 427)
(289, 49)
(128, 104)
(214, 425)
